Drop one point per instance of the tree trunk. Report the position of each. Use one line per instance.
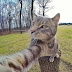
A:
(2, 27)
(43, 13)
(20, 16)
(10, 18)
(16, 24)
(2, 23)
(10, 23)
(32, 10)
(43, 8)
(9, 27)
(0, 10)
(47, 66)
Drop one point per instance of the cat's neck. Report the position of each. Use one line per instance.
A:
(49, 40)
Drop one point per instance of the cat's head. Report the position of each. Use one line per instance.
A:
(44, 28)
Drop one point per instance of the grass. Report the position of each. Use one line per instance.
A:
(13, 43)
(16, 42)
(64, 35)
(65, 38)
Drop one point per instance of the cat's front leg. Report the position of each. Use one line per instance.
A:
(51, 59)
(57, 55)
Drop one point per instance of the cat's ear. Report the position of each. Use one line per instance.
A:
(56, 18)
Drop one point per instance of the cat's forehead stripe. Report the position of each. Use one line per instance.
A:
(43, 20)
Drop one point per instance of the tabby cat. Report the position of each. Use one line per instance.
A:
(43, 43)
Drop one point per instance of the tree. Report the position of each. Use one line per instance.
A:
(10, 15)
(2, 17)
(0, 10)
(20, 16)
(16, 14)
(43, 4)
(10, 19)
(32, 9)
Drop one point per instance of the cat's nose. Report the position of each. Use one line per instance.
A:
(33, 29)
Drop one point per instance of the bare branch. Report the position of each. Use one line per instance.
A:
(49, 9)
(46, 7)
(47, 1)
(40, 5)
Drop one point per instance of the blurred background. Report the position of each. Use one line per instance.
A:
(16, 18)
(17, 15)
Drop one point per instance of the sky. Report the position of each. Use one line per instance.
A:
(64, 7)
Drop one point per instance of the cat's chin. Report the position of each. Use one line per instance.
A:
(44, 40)
(37, 38)
(40, 38)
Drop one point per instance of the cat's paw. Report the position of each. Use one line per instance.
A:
(51, 59)
(57, 55)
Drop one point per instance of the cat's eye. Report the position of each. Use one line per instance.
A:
(44, 26)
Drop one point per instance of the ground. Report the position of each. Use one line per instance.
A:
(16, 42)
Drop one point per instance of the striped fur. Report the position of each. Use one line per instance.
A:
(43, 43)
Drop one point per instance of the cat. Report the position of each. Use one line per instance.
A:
(43, 43)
